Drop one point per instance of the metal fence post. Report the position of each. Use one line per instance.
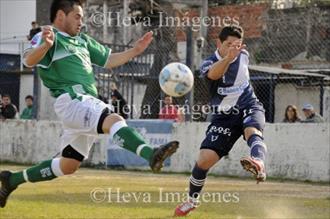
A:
(36, 94)
(321, 96)
(189, 63)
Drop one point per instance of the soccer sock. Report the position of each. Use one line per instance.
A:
(258, 147)
(130, 139)
(197, 180)
(44, 171)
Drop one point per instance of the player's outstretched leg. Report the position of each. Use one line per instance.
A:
(44, 171)
(206, 160)
(255, 163)
(131, 140)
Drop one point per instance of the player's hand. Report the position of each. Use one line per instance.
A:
(143, 43)
(48, 36)
(235, 49)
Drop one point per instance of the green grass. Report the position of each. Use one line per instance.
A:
(69, 197)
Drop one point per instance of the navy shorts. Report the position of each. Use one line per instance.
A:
(226, 128)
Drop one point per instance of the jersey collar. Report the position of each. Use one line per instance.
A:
(64, 33)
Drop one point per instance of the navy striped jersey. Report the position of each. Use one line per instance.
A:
(234, 88)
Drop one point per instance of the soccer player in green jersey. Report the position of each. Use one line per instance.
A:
(64, 58)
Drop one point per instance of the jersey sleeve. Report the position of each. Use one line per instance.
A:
(34, 43)
(205, 67)
(99, 53)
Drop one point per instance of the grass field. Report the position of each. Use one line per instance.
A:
(70, 197)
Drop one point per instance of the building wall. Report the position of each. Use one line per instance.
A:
(295, 151)
(286, 94)
(28, 142)
(26, 88)
(14, 28)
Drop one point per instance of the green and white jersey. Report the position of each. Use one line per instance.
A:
(67, 66)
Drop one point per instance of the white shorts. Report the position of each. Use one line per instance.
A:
(80, 120)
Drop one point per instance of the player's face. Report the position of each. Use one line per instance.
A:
(73, 21)
(224, 46)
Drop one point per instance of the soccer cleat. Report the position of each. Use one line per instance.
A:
(184, 208)
(161, 153)
(256, 167)
(5, 189)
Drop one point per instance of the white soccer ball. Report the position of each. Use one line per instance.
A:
(176, 79)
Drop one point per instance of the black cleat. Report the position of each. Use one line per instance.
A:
(161, 153)
(5, 189)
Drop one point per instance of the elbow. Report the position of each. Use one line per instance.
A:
(213, 77)
(27, 62)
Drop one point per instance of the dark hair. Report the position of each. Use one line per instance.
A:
(6, 95)
(64, 5)
(33, 22)
(295, 116)
(232, 30)
(29, 97)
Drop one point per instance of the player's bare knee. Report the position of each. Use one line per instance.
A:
(249, 131)
(204, 164)
(207, 158)
(69, 166)
(110, 120)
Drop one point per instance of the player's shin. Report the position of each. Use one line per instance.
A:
(258, 147)
(44, 171)
(197, 180)
(130, 139)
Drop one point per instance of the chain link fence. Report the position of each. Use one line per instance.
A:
(293, 44)
(289, 53)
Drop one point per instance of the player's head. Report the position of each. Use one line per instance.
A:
(6, 100)
(66, 15)
(29, 100)
(168, 100)
(227, 36)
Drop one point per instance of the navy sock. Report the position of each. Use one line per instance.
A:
(197, 180)
(258, 147)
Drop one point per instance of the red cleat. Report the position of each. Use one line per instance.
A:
(256, 167)
(184, 208)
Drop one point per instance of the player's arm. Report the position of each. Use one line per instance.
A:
(120, 58)
(219, 68)
(33, 56)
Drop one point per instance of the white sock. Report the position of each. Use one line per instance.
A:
(116, 127)
(56, 167)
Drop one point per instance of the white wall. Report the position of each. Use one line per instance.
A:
(15, 23)
(46, 107)
(286, 94)
(28, 141)
(297, 151)
(26, 88)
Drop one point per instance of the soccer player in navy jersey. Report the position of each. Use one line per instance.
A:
(236, 111)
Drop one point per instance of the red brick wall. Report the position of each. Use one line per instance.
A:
(250, 17)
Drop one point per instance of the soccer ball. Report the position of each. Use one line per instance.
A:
(176, 79)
